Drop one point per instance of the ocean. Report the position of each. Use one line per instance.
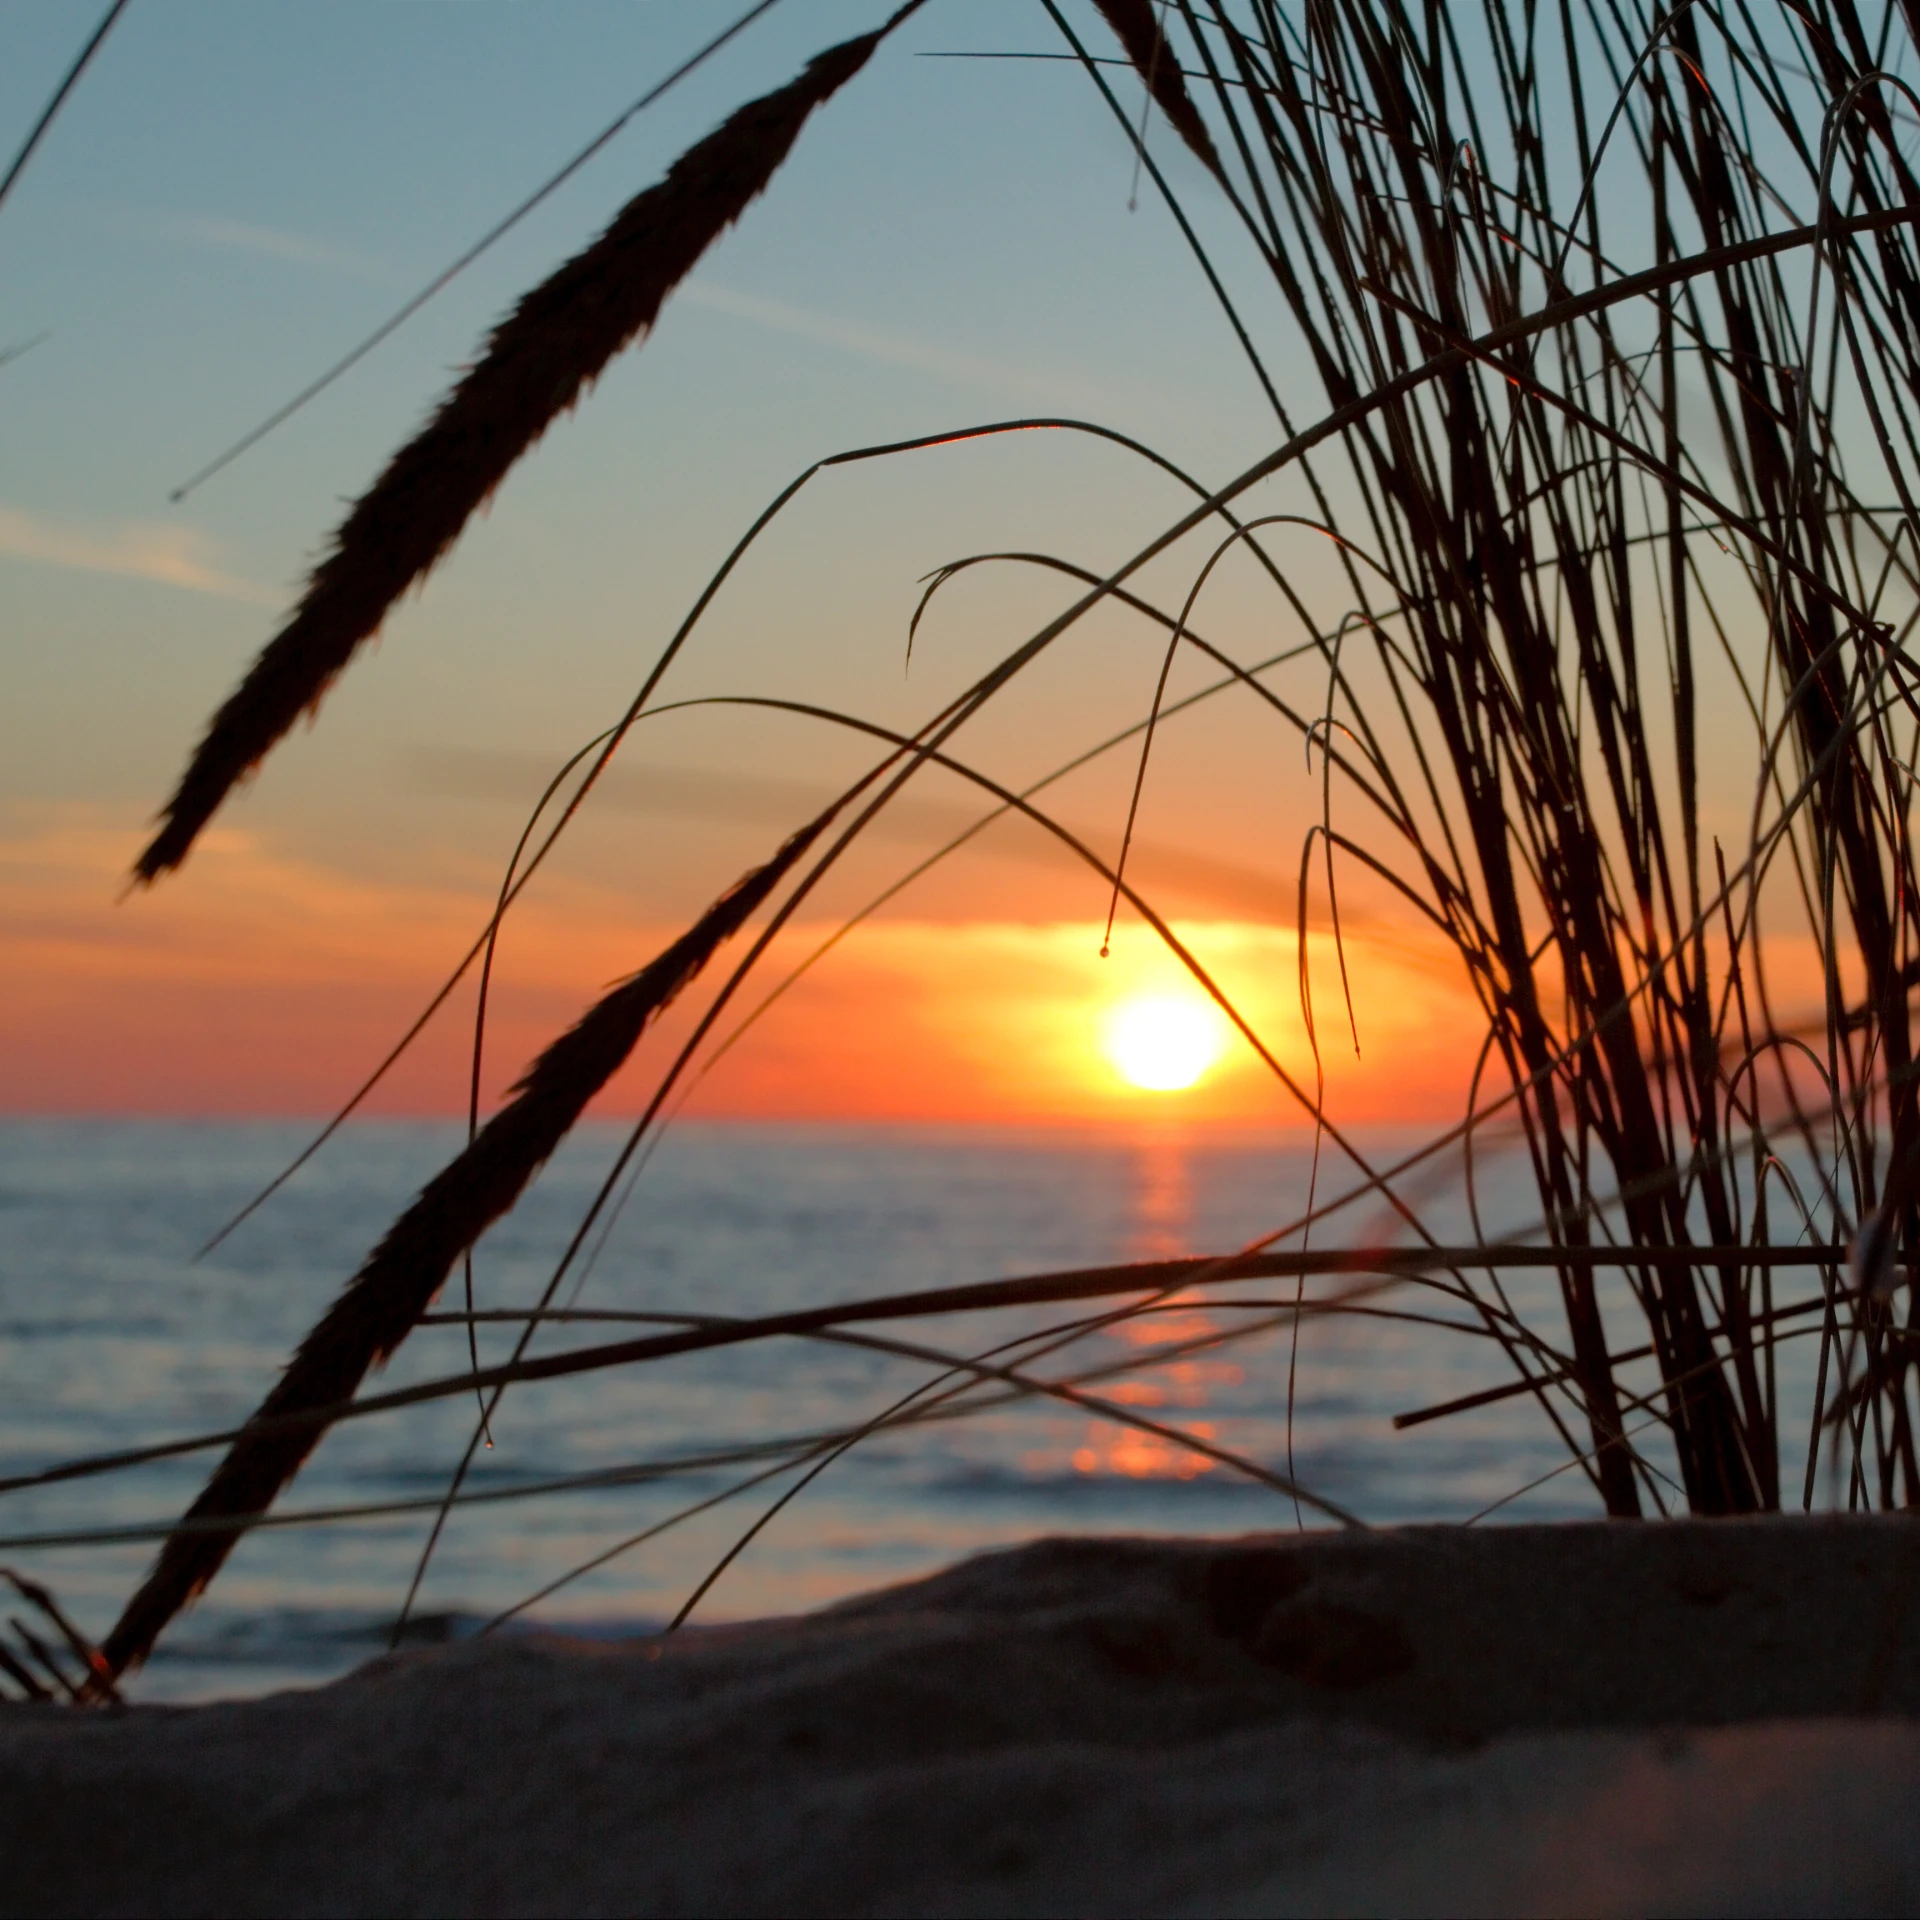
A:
(113, 1335)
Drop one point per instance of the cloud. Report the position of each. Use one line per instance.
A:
(270, 243)
(1165, 872)
(171, 552)
(993, 376)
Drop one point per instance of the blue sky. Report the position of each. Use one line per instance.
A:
(238, 191)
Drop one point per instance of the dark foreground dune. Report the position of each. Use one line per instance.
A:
(1705, 1717)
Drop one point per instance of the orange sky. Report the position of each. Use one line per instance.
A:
(903, 279)
(256, 984)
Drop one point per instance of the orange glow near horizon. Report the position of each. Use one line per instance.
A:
(258, 984)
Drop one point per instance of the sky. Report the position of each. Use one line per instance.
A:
(237, 193)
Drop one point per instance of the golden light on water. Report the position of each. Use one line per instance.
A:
(1163, 1042)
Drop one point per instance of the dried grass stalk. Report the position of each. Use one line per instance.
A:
(1138, 30)
(21, 1676)
(383, 1302)
(537, 363)
(93, 1667)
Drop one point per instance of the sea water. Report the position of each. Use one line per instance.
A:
(114, 1335)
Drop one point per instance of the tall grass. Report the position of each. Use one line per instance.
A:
(1602, 328)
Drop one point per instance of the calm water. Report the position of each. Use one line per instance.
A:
(112, 1335)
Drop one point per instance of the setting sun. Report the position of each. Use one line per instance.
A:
(1164, 1042)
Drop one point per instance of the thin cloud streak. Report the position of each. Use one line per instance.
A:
(272, 243)
(868, 343)
(761, 800)
(174, 555)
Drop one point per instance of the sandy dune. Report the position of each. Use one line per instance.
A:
(1703, 1717)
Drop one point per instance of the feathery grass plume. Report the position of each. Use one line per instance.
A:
(537, 363)
(383, 1302)
(1137, 29)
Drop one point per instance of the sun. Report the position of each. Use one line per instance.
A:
(1164, 1042)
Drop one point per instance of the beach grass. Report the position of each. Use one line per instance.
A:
(1600, 336)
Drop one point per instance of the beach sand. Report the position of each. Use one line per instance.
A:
(1701, 1717)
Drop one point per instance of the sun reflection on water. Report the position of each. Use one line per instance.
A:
(1162, 1207)
(1162, 1197)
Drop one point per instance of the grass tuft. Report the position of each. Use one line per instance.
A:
(1606, 328)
